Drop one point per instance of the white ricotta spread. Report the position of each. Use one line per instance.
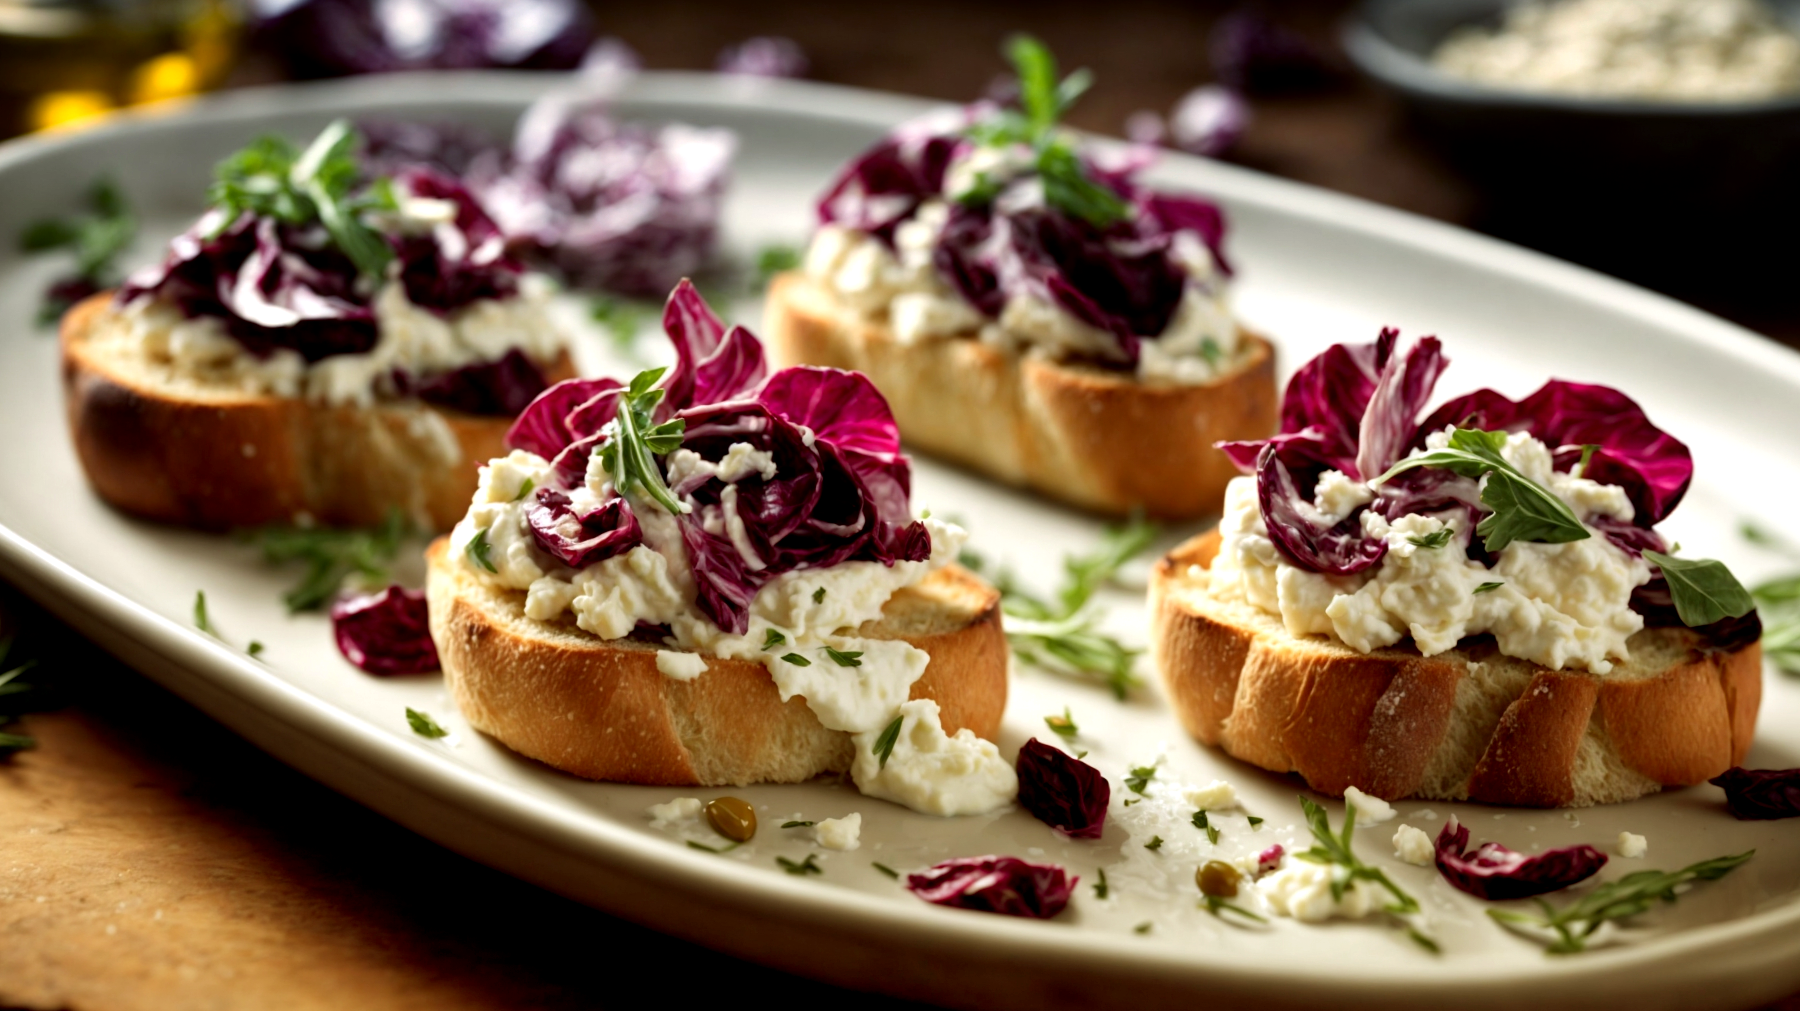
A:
(1414, 846)
(1670, 50)
(903, 289)
(1559, 605)
(840, 833)
(160, 338)
(812, 609)
(1369, 810)
(1632, 846)
(680, 665)
(1217, 795)
(1302, 890)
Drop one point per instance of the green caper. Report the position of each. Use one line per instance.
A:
(1218, 879)
(733, 818)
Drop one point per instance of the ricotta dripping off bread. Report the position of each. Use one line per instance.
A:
(279, 368)
(1033, 311)
(711, 575)
(1472, 607)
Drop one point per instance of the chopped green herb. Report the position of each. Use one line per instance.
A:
(1139, 778)
(1216, 905)
(1255, 822)
(1100, 887)
(1431, 541)
(1336, 851)
(1133, 800)
(844, 659)
(272, 179)
(797, 660)
(775, 258)
(798, 824)
(1081, 754)
(819, 595)
(525, 487)
(1632, 894)
(424, 725)
(1142, 928)
(1212, 352)
(1154, 844)
(1587, 453)
(1705, 591)
(713, 849)
(1063, 726)
(1211, 830)
(889, 871)
(331, 556)
(254, 649)
(478, 550)
(808, 866)
(773, 638)
(202, 620)
(1486, 588)
(95, 236)
(634, 440)
(1522, 509)
(890, 736)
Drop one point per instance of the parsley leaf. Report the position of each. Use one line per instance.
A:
(1431, 541)
(331, 555)
(890, 736)
(1632, 894)
(634, 440)
(1154, 844)
(1211, 830)
(797, 660)
(773, 638)
(1705, 591)
(1522, 509)
(525, 488)
(808, 866)
(844, 659)
(478, 550)
(1063, 726)
(1142, 928)
(1140, 778)
(423, 725)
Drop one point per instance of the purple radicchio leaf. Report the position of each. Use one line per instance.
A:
(1253, 54)
(1301, 535)
(1496, 873)
(1064, 793)
(1322, 408)
(1269, 860)
(543, 426)
(1392, 414)
(385, 633)
(497, 389)
(712, 365)
(995, 884)
(1209, 121)
(332, 38)
(885, 185)
(763, 56)
(579, 540)
(1761, 794)
(456, 262)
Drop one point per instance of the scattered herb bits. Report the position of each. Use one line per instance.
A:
(1140, 778)
(479, 548)
(1101, 888)
(1154, 844)
(773, 638)
(885, 869)
(803, 867)
(819, 595)
(844, 659)
(798, 824)
(423, 725)
(1201, 823)
(202, 620)
(797, 660)
(1062, 726)
(890, 736)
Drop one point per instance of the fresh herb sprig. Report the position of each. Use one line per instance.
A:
(1572, 925)
(96, 236)
(1043, 101)
(1336, 851)
(1218, 906)
(271, 178)
(331, 555)
(635, 439)
(885, 742)
(1521, 509)
(1704, 590)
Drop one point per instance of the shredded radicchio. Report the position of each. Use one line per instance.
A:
(839, 490)
(996, 884)
(1497, 873)
(1063, 792)
(385, 633)
(1761, 794)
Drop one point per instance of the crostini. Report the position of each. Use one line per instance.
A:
(1472, 607)
(711, 575)
(318, 347)
(1032, 311)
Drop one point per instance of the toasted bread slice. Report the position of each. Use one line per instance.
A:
(602, 710)
(1087, 435)
(215, 457)
(1466, 724)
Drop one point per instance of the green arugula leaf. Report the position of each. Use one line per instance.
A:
(773, 638)
(11, 685)
(890, 736)
(331, 555)
(423, 725)
(808, 866)
(1063, 726)
(525, 488)
(1434, 540)
(844, 659)
(1139, 778)
(1635, 893)
(1705, 591)
(1521, 509)
(479, 549)
(634, 440)
(1212, 831)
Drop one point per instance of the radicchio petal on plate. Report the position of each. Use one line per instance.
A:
(580, 539)
(996, 884)
(1061, 791)
(1497, 873)
(1761, 794)
(385, 633)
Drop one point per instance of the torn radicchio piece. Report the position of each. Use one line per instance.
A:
(1496, 873)
(1761, 794)
(1061, 791)
(385, 633)
(996, 884)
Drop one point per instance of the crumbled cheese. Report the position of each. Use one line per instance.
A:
(681, 809)
(932, 772)
(1414, 846)
(1217, 795)
(1302, 889)
(1632, 846)
(840, 833)
(1673, 50)
(680, 665)
(1369, 810)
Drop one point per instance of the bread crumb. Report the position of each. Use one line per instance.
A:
(1369, 810)
(1414, 846)
(1632, 846)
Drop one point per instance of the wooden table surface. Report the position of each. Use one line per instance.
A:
(149, 859)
